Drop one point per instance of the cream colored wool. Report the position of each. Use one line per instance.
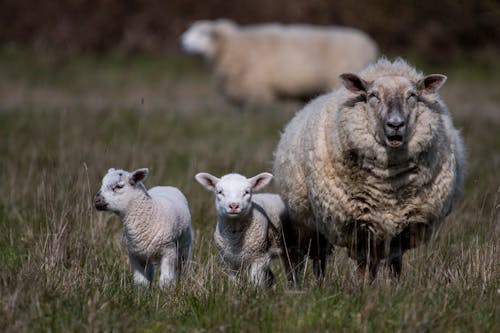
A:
(259, 64)
(334, 171)
(249, 226)
(157, 224)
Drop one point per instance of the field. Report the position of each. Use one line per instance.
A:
(64, 265)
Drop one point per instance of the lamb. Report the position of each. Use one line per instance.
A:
(157, 224)
(259, 64)
(248, 232)
(374, 166)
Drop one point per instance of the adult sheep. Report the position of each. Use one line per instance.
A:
(374, 166)
(258, 64)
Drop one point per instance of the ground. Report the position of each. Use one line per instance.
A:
(64, 122)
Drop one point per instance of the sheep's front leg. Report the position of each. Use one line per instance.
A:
(142, 272)
(260, 273)
(169, 267)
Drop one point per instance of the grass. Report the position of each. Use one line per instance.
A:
(64, 265)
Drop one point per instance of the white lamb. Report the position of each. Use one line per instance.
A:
(258, 64)
(157, 224)
(248, 232)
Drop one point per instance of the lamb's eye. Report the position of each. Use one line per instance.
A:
(219, 191)
(247, 192)
(117, 186)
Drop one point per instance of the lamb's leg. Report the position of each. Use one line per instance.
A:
(260, 272)
(142, 272)
(396, 258)
(169, 266)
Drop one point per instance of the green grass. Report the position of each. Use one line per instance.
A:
(64, 265)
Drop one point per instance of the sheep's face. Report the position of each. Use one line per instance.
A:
(233, 192)
(118, 188)
(198, 39)
(391, 103)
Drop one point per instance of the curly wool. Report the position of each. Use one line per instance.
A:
(333, 171)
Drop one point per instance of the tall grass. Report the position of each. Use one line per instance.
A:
(64, 266)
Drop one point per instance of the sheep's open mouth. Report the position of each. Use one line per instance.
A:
(394, 140)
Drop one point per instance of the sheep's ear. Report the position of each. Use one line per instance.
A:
(260, 181)
(111, 170)
(138, 176)
(353, 83)
(221, 28)
(207, 180)
(431, 83)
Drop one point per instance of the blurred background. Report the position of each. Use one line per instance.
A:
(89, 85)
(435, 31)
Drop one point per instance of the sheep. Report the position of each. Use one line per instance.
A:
(157, 224)
(374, 166)
(259, 64)
(248, 231)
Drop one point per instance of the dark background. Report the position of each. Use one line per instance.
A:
(437, 31)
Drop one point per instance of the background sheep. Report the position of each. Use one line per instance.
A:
(374, 166)
(157, 224)
(248, 232)
(258, 64)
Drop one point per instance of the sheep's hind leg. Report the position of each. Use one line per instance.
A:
(169, 266)
(368, 257)
(396, 258)
(142, 272)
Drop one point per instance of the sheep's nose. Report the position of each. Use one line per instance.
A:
(395, 122)
(233, 206)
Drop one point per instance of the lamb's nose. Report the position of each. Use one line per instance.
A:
(97, 198)
(233, 206)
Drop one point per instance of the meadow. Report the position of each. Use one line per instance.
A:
(64, 265)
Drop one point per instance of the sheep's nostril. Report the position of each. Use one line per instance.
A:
(395, 124)
(233, 206)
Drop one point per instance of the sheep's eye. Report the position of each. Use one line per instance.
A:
(373, 96)
(219, 191)
(411, 95)
(247, 192)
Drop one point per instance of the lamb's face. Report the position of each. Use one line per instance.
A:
(233, 192)
(391, 103)
(198, 39)
(118, 188)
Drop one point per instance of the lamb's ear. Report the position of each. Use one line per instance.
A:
(138, 176)
(353, 83)
(207, 180)
(431, 83)
(260, 181)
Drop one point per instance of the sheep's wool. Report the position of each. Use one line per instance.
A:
(333, 172)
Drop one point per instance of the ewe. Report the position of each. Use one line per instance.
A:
(375, 166)
(248, 232)
(157, 224)
(258, 64)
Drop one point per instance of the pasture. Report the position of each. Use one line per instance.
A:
(64, 265)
